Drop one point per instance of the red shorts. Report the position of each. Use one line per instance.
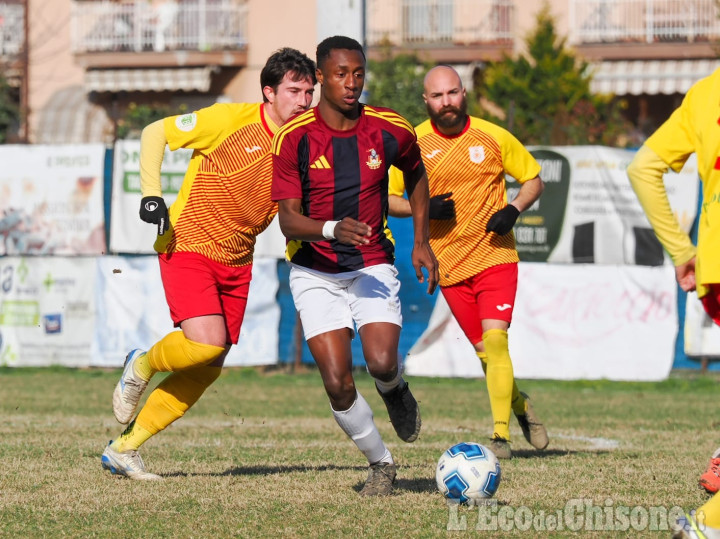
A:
(489, 295)
(711, 302)
(197, 286)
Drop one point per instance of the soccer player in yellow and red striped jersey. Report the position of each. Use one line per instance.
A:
(330, 178)
(466, 159)
(694, 127)
(205, 244)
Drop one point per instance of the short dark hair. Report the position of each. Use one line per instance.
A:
(336, 42)
(282, 62)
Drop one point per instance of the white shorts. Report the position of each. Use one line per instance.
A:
(330, 301)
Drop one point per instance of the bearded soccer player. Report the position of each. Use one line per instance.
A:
(205, 244)
(330, 178)
(694, 127)
(469, 158)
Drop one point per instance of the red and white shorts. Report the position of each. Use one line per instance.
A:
(489, 295)
(197, 286)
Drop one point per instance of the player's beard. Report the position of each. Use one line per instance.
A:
(444, 120)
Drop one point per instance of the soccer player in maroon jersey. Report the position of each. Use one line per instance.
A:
(205, 247)
(330, 178)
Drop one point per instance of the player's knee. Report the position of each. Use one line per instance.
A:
(201, 354)
(383, 367)
(341, 392)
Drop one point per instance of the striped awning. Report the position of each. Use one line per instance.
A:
(69, 117)
(185, 79)
(651, 77)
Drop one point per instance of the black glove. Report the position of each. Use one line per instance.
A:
(441, 207)
(153, 210)
(502, 221)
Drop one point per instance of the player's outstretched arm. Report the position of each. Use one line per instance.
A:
(296, 226)
(152, 150)
(645, 173)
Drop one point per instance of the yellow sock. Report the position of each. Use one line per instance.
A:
(143, 368)
(499, 380)
(174, 396)
(710, 511)
(175, 353)
(131, 438)
(518, 401)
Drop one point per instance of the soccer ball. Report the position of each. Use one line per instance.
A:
(468, 472)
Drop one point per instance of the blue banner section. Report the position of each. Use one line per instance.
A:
(682, 360)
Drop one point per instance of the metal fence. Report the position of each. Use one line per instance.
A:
(439, 22)
(648, 21)
(203, 25)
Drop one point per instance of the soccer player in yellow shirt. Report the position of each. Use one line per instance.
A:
(205, 247)
(468, 158)
(694, 127)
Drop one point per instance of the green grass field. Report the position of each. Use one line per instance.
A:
(261, 456)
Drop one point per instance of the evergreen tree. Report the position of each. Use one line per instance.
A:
(9, 111)
(545, 95)
(397, 83)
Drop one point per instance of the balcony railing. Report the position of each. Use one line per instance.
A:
(643, 21)
(198, 25)
(12, 24)
(439, 22)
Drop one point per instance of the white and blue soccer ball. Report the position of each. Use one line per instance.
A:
(468, 472)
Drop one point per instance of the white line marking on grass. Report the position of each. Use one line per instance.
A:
(595, 443)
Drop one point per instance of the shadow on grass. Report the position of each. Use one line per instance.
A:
(413, 485)
(269, 470)
(551, 453)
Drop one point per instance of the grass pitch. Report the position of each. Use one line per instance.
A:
(261, 456)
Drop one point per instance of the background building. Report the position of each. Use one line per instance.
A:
(79, 64)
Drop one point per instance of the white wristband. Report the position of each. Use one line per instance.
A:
(328, 231)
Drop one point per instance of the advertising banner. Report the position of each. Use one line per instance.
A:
(47, 310)
(702, 335)
(132, 312)
(589, 213)
(570, 322)
(91, 311)
(51, 200)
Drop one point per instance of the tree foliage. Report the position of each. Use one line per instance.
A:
(9, 111)
(397, 83)
(544, 97)
(136, 117)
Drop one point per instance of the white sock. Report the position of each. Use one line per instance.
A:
(357, 422)
(386, 387)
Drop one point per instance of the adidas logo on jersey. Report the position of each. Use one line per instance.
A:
(321, 162)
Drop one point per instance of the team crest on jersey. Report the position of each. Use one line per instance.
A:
(477, 154)
(374, 160)
(186, 122)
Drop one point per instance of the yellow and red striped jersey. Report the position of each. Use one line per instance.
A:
(224, 201)
(472, 165)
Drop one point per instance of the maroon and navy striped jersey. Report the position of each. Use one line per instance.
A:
(338, 174)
